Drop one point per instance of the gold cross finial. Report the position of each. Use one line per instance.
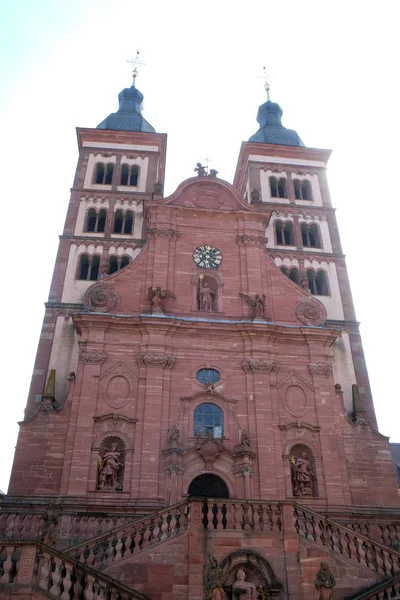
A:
(267, 86)
(136, 63)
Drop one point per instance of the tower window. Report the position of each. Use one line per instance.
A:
(292, 274)
(118, 222)
(96, 221)
(318, 282)
(302, 189)
(125, 260)
(310, 235)
(123, 222)
(128, 221)
(130, 175)
(104, 173)
(88, 268)
(208, 420)
(278, 187)
(284, 233)
(118, 262)
(113, 262)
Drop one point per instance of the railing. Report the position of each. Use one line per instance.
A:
(385, 590)
(21, 525)
(59, 575)
(384, 533)
(338, 538)
(133, 537)
(241, 514)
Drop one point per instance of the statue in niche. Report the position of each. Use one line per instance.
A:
(245, 439)
(206, 297)
(109, 465)
(302, 475)
(214, 581)
(242, 589)
(325, 582)
(157, 296)
(256, 304)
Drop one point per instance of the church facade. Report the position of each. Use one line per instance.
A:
(200, 422)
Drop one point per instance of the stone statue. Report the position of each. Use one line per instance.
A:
(214, 581)
(257, 305)
(49, 531)
(200, 170)
(245, 439)
(173, 436)
(302, 475)
(213, 173)
(325, 582)
(109, 465)
(157, 296)
(243, 590)
(206, 297)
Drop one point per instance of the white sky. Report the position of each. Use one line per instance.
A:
(335, 69)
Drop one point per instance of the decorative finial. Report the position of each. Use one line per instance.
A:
(136, 63)
(267, 86)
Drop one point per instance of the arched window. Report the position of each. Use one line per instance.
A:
(128, 221)
(130, 175)
(294, 275)
(208, 420)
(285, 271)
(284, 233)
(318, 282)
(278, 187)
(104, 173)
(91, 219)
(306, 192)
(88, 268)
(101, 223)
(113, 262)
(118, 221)
(282, 193)
(125, 260)
(134, 177)
(321, 284)
(99, 176)
(302, 189)
(124, 175)
(83, 270)
(109, 174)
(310, 235)
(94, 267)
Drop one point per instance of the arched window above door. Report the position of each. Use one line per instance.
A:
(208, 420)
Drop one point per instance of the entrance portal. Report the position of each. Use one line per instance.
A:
(208, 485)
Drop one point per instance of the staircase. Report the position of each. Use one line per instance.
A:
(77, 571)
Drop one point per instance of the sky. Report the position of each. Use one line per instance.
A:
(333, 69)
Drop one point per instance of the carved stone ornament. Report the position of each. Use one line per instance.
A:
(100, 297)
(171, 234)
(256, 304)
(157, 297)
(92, 356)
(311, 312)
(320, 369)
(325, 582)
(209, 449)
(156, 360)
(255, 365)
(252, 240)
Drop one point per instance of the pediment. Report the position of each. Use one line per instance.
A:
(208, 193)
(294, 378)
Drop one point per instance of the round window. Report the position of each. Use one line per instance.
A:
(208, 376)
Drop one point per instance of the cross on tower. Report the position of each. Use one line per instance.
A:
(136, 63)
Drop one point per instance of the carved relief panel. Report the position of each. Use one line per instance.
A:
(118, 388)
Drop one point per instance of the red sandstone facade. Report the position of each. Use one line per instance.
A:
(100, 500)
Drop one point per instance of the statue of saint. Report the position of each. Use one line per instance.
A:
(109, 465)
(325, 582)
(157, 296)
(243, 590)
(256, 304)
(206, 298)
(303, 476)
(214, 581)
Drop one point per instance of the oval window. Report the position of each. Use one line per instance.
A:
(208, 376)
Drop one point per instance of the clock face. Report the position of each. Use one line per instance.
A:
(207, 257)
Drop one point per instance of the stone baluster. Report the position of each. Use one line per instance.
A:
(164, 526)
(55, 576)
(44, 571)
(119, 545)
(18, 525)
(219, 515)
(7, 565)
(26, 526)
(88, 591)
(142, 533)
(79, 582)
(256, 517)
(66, 582)
(151, 526)
(10, 525)
(3, 523)
(132, 540)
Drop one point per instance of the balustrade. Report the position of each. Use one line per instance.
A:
(347, 542)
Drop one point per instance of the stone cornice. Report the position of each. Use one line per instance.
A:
(252, 240)
(92, 356)
(171, 234)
